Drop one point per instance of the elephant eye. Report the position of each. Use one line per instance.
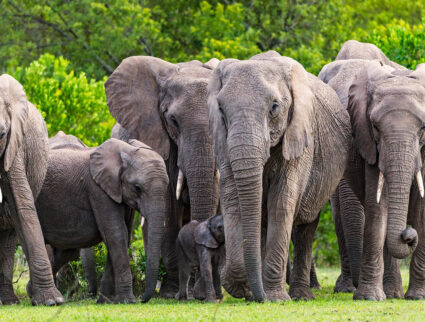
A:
(423, 127)
(138, 188)
(274, 108)
(174, 121)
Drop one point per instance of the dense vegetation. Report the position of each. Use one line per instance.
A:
(62, 51)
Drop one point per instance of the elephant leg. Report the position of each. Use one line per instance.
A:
(416, 289)
(372, 265)
(206, 270)
(170, 282)
(89, 266)
(110, 219)
(185, 270)
(107, 284)
(279, 232)
(314, 282)
(20, 205)
(352, 219)
(8, 240)
(216, 279)
(393, 286)
(303, 248)
(59, 258)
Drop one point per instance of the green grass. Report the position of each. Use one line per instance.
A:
(327, 306)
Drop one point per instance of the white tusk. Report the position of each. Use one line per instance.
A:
(1, 195)
(380, 186)
(217, 176)
(142, 221)
(420, 183)
(179, 184)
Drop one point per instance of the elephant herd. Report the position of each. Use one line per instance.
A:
(261, 141)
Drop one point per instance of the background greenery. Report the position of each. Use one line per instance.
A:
(62, 52)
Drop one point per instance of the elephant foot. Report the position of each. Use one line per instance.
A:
(415, 294)
(169, 289)
(393, 291)
(277, 295)
(7, 295)
(237, 289)
(314, 284)
(344, 285)
(48, 297)
(125, 299)
(210, 299)
(180, 296)
(370, 293)
(301, 293)
(105, 299)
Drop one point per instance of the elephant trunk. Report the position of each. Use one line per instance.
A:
(156, 232)
(199, 165)
(246, 155)
(399, 172)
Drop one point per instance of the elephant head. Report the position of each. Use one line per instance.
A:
(253, 106)
(134, 174)
(62, 140)
(210, 233)
(163, 105)
(13, 115)
(387, 110)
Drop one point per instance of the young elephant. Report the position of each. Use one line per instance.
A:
(89, 195)
(201, 245)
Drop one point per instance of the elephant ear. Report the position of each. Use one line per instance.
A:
(105, 168)
(133, 97)
(419, 73)
(17, 104)
(298, 134)
(211, 64)
(358, 108)
(217, 127)
(204, 237)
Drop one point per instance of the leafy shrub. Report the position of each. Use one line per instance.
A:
(68, 102)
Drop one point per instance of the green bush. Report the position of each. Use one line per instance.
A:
(68, 102)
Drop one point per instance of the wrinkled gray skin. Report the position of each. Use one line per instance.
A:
(201, 246)
(23, 150)
(386, 106)
(89, 195)
(347, 210)
(281, 138)
(60, 141)
(164, 105)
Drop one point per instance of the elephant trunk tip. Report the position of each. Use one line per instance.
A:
(409, 238)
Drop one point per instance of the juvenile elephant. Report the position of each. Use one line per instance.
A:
(164, 105)
(201, 245)
(385, 174)
(281, 138)
(60, 141)
(89, 195)
(348, 211)
(23, 151)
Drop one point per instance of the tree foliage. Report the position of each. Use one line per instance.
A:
(61, 51)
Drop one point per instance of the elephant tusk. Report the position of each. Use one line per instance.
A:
(420, 183)
(142, 221)
(217, 176)
(380, 186)
(179, 184)
(1, 196)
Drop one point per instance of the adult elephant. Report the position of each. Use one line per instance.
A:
(23, 150)
(281, 138)
(347, 209)
(386, 106)
(164, 105)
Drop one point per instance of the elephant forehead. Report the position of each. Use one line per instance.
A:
(398, 86)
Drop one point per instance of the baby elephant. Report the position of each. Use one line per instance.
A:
(201, 246)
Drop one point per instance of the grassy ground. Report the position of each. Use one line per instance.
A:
(326, 306)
